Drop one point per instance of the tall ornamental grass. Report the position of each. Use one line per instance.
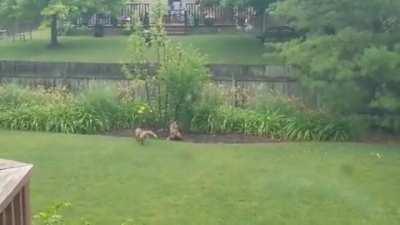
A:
(102, 109)
(278, 126)
(271, 115)
(57, 110)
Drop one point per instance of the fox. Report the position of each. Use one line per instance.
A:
(174, 132)
(141, 135)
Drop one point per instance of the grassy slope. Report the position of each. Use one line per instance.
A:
(109, 179)
(222, 48)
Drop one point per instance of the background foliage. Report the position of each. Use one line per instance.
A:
(350, 56)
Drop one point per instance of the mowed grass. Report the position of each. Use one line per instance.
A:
(110, 179)
(219, 48)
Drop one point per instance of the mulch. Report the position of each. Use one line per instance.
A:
(202, 138)
(372, 138)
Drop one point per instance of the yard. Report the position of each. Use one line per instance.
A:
(109, 179)
(220, 48)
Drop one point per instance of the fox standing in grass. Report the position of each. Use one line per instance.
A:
(175, 133)
(141, 135)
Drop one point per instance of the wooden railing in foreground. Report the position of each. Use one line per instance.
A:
(14, 193)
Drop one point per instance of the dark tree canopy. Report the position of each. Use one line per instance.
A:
(351, 54)
(259, 5)
(52, 10)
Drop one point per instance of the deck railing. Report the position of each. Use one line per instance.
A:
(190, 14)
(14, 193)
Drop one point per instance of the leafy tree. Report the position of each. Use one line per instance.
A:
(91, 7)
(17, 10)
(53, 10)
(99, 8)
(259, 5)
(22, 10)
(351, 53)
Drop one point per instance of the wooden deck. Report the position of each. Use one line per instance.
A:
(14, 193)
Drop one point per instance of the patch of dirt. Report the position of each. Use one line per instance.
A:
(202, 138)
(372, 138)
(380, 138)
(226, 138)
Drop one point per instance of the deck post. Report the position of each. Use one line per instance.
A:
(15, 206)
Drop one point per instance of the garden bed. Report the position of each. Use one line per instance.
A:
(372, 138)
(203, 138)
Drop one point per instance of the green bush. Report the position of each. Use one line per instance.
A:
(182, 76)
(208, 103)
(384, 123)
(102, 109)
(174, 85)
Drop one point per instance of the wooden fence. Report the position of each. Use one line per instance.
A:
(14, 193)
(255, 79)
(20, 30)
(135, 9)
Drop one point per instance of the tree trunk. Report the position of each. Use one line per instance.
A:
(54, 35)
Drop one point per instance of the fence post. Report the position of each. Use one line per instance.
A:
(186, 19)
(264, 22)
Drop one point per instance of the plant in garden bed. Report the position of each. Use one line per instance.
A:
(300, 127)
(206, 106)
(317, 127)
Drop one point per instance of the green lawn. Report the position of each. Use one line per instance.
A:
(220, 48)
(109, 179)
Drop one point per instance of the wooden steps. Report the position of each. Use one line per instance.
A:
(176, 29)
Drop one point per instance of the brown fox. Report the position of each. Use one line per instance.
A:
(174, 132)
(141, 135)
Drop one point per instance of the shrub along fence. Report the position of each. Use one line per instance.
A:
(252, 79)
(104, 109)
(239, 103)
(245, 86)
